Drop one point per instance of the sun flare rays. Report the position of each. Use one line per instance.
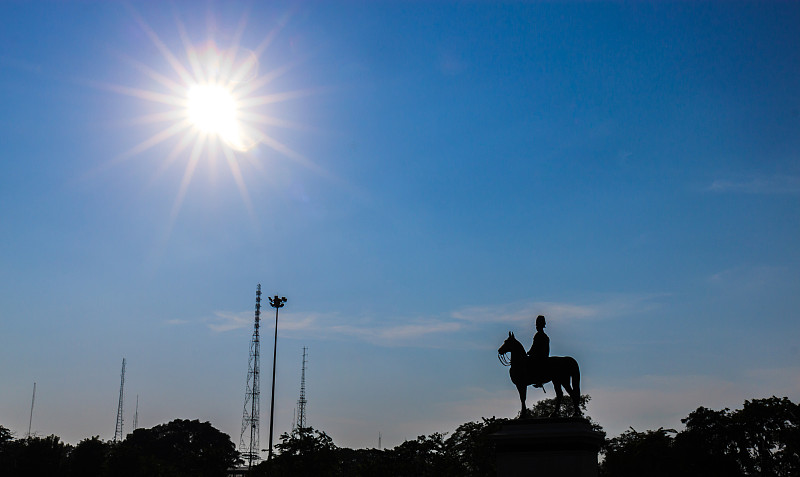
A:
(208, 104)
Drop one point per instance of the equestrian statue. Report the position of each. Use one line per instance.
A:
(537, 367)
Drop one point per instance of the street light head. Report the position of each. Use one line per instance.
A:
(277, 301)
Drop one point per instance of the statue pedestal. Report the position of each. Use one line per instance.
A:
(547, 446)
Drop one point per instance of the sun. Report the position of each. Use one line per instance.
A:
(213, 104)
(212, 109)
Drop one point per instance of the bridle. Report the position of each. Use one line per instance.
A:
(504, 359)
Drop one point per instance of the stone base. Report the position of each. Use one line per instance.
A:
(547, 446)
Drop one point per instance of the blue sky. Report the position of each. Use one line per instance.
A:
(422, 179)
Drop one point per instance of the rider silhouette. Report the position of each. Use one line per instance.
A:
(539, 352)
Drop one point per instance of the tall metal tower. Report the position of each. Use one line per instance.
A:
(301, 403)
(249, 446)
(118, 431)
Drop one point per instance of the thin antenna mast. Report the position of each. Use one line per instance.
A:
(30, 421)
(136, 415)
(118, 430)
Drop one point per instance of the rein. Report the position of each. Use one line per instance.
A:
(504, 360)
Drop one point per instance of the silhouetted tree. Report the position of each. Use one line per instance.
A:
(634, 453)
(767, 437)
(176, 449)
(761, 439)
(5, 436)
(88, 458)
(427, 455)
(7, 448)
(547, 407)
(363, 462)
(472, 448)
(304, 451)
(37, 456)
(707, 446)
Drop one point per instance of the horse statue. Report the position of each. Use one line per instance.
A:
(562, 370)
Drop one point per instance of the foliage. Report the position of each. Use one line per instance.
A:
(178, 448)
(88, 458)
(636, 453)
(364, 462)
(6, 446)
(305, 441)
(547, 407)
(469, 451)
(768, 437)
(424, 456)
(33, 456)
(5, 436)
(472, 448)
(762, 438)
(304, 451)
(706, 446)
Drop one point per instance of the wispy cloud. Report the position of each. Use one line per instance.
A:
(607, 306)
(426, 331)
(228, 321)
(513, 313)
(334, 325)
(749, 278)
(778, 184)
(397, 334)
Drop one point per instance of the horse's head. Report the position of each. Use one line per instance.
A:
(509, 344)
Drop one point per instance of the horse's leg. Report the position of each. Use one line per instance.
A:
(569, 390)
(559, 395)
(523, 392)
(576, 385)
(575, 397)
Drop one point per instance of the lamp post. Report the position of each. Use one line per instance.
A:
(275, 302)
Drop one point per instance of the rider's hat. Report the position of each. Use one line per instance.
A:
(540, 320)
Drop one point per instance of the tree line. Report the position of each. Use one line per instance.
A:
(178, 448)
(762, 438)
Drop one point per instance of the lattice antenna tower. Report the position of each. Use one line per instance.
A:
(118, 430)
(249, 437)
(301, 403)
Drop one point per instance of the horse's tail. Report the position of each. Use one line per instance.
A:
(576, 379)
